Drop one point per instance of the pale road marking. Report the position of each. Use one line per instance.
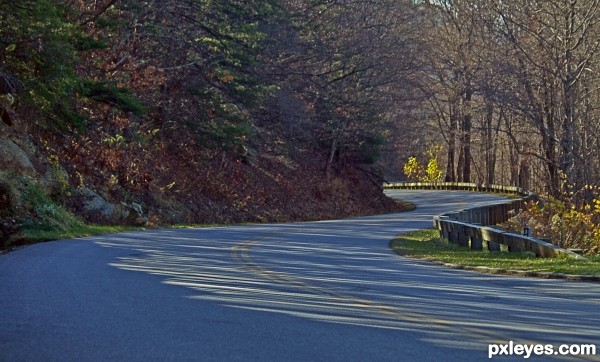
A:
(240, 253)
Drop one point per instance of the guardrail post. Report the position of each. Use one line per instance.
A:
(485, 215)
(463, 238)
(491, 236)
(514, 244)
(503, 213)
(442, 226)
(452, 234)
(493, 246)
(492, 215)
(443, 231)
(476, 238)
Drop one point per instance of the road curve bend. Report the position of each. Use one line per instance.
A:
(318, 291)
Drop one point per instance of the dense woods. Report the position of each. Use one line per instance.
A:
(228, 111)
(512, 89)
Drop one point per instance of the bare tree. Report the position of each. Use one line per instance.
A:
(554, 52)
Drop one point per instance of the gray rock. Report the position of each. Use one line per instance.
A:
(14, 158)
(136, 215)
(55, 181)
(96, 209)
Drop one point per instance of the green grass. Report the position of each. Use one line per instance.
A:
(34, 233)
(47, 220)
(426, 244)
(406, 206)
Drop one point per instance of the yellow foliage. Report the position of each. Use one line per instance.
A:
(433, 172)
(413, 170)
(563, 223)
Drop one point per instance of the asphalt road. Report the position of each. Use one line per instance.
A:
(320, 291)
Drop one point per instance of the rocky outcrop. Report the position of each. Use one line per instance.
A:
(18, 157)
(16, 151)
(15, 159)
(95, 208)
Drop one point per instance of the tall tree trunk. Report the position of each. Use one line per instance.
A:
(490, 148)
(524, 174)
(567, 159)
(450, 163)
(548, 133)
(330, 158)
(465, 146)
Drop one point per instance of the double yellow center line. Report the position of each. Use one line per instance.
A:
(240, 253)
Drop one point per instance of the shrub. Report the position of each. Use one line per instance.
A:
(433, 172)
(565, 224)
(413, 170)
(43, 212)
(118, 97)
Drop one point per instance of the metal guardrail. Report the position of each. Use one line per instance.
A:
(459, 186)
(470, 227)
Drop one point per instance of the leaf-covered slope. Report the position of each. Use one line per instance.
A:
(198, 111)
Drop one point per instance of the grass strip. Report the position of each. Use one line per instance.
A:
(35, 234)
(426, 244)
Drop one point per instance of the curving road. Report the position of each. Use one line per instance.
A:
(319, 291)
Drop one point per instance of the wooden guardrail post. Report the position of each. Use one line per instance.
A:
(490, 236)
(453, 234)
(441, 224)
(476, 238)
(493, 245)
(463, 237)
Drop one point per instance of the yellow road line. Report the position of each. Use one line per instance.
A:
(241, 254)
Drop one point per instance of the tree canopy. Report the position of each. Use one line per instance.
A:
(505, 90)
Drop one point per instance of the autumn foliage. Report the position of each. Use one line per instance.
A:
(190, 108)
(562, 222)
